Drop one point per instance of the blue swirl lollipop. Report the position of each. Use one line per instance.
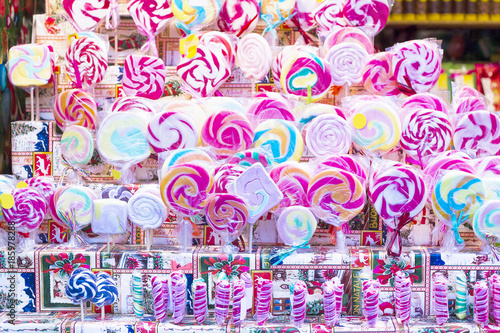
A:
(107, 291)
(81, 286)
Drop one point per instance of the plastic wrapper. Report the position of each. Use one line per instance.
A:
(456, 197)
(75, 107)
(238, 17)
(172, 158)
(328, 134)
(398, 193)
(282, 138)
(292, 179)
(486, 227)
(144, 76)
(356, 164)
(77, 145)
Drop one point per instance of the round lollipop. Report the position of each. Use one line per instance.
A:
(347, 61)
(282, 138)
(425, 101)
(44, 186)
(485, 223)
(181, 156)
(146, 208)
(85, 15)
(370, 16)
(254, 57)
(378, 75)
(455, 199)
(227, 214)
(221, 41)
(225, 175)
(348, 34)
(78, 199)
(346, 163)
(81, 287)
(329, 15)
(132, 104)
(398, 194)
(172, 130)
(296, 226)
(107, 291)
(478, 133)
(28, 210)
(77, 145)
(488, 167)
(328, 134)
(144, 76)
(86, 62)
(238, 17)
(270, 108)
(75, 107)
(194, 15)
(292, 179)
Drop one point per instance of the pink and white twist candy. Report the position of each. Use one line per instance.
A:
(172, 130)
(347, 61)
(247, 279)
(151, 18)
(370, 16)
(225, 175)
(179, 284)
(28, 211)
(299, 303)
(157, 289)
(304, 16)
(85, 15)
(328, 134)
(440, 292)
(165, 283)
(487, 167)
(478, 133)
(222, 300)
(425, 132)
(238, 17)
(468, 104)
(263, 300)
(86, 62)
(347, 163)
(481, 303)
(200, 300)
(348, 34)
(254, 56)
(330, 14)
(403, 296)
(417, 65)
(238, 295)
(205, 72)
(332, 302)
(221, 41)
(494, 281)
(371, 293)
(378, 75)
(425, 101)
(144, 76)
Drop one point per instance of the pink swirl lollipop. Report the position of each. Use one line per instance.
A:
(222, 300)
(304, 18)
(440, 292)
(282, 57)
(75, 107)
(172, 130)
(151, 18)
(52, 204)
(478, 133)
(468, 104)
(225, 175)
(254, 56)
(85, 15)
(179, 285)
(494, 281)
(351, 35)
(43, 186)
(28, 211)
(328, 134)
(131, 104)
(371, 293)
(227, 214)
(299, 303)
(270, 108)
(417, 65)
(306, 75)
(263, 300)
(488, 167)
(238, 17)
(144, 77)
(200, 309)
(221, 41)
(238, 295)
(403, 296)
(425, 101)
(227, 132)
(204, 73)
(157, 290)
(347, 61)
(466, 91)
(293, 180)
(330, 14)
(347, 163)
(481, 303)
(425, 132)
(378, 75)
(86, 62)
(370, 16)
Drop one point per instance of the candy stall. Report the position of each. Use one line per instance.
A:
(245, 166)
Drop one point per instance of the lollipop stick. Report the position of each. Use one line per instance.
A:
(185, 226)
(32, 105)
(108, 243)
(82, 311)
(37, 104)
(149, 238)
(102, 313)
(250, 238)
(116, 46)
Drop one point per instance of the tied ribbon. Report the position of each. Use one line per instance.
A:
(184, 27)
(492, 240)
(68, 166)
(278, 257)
(455, 224)
(307, 38)
(270, 26)
(69, 218)
(113, 15)
(150, 45)
(192, 220)
(395, 245)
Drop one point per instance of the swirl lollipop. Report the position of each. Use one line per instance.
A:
(329, 15)
(75, 107)
(77, 145)
(194, 15)
(425, 101)
(292, 180)
(425, 132)
(151, 18)
(172, 130)
(228, 216)
(346, 163)
(370, 16)
(28, 210)
(378, 75)
(132, 104)
(254, 57)
(270, 108)
(296, 226)
(86, 62)
(455, 199)
(144, 76)
(81, 287)
(44, 186)
(347, 61)
(275, 12)
(146, 208)
(107, 291)
(249, 157)
(79, 199)
(348, 34)
(398, 194)
(485, 223)
(468, 104)
(238, 17)
(181, 156)
(316, 109)
(283, 139)
(328, 134)
(225, 175)
(478, 133)
(85, 15)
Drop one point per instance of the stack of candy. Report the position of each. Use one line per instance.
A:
(481, 303)
(440, 291)
(222, 301)
(402, 294)
(299, 303)
(371, 293)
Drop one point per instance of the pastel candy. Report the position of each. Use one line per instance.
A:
(296, 226)
(137, 293)
(77, 198)
(370, 16)
(194, 15)
(250, 157)
(86, 62)
(179, 284)
(258, 191)
(222, 300)
(181, 156)
(466, 92)
(146, 208)
(468, 104)
(44, 185)
(282, 138)
(85, 14)
(481, 303)
(192, 109)
(440, 291)
(81, 285)
(254, 56)
(328, 134)
(121, 139)
(461, 295)
(298, 314)
(347, 61)
(485, 222)
(263, 300)
(28, 211)
(329, 14)
(488, 166)
(110, 216)
(227, 214)
(199, 289)
(107, 290)
(172, 130)
(77, 145)
(75, 107)
(29, 65)
(478, 133)
(378, 75)
(347, 163)
(238, 17)
(144, 76)
(425, 101)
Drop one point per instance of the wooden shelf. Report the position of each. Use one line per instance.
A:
(446, 24)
